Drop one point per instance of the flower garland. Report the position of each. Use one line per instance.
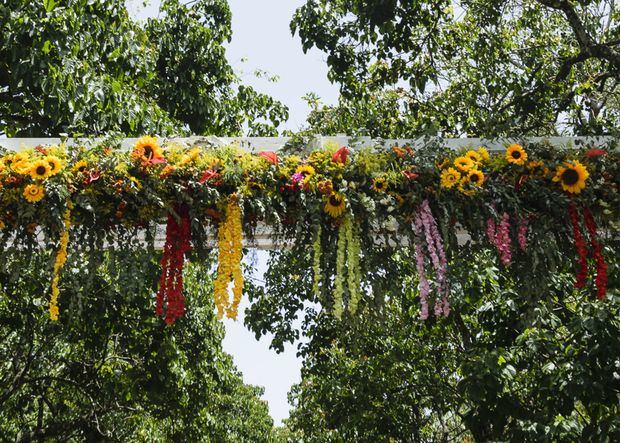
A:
(601, 266)
(499, 236)
(340, 263)
(353, 265)
(316, 263)
(59, 261)
(425, 226)
(347, 254)
(522, 233)
(582, 274)
(170, 293)
(229, 266)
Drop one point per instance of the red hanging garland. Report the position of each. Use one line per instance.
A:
(580, 243)
(178, 236)
(601, 266)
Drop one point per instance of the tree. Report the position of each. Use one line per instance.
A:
(109, 370)
(483, 68)
(84, 67)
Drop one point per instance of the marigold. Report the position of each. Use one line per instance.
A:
(516, 155)
(34, 193)
(464, 163)
(449, 178)
(572, 176)
(335, 205)
(40, 170)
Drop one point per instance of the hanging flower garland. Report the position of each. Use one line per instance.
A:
(59, 261)
(601, 266)
(425, 226)
(316, 264)
(126, 189)
(229, 265)
(170, 294)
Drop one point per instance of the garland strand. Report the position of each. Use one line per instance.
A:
(353, 266)
(229, 267)
(170, 293)
(316, 263)
(340, 263)
(601, 266)
(499, 236)
(438, 257)
(582, 274)
(522, 233)
(59, 262)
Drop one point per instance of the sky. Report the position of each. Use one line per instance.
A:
(262, 40)
(261, 36)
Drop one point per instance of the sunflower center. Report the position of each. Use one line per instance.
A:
(148, 151)
(41, 170)
(334, 200)
(570, 177)
(379, 185)
(516, 154)
(474, 178)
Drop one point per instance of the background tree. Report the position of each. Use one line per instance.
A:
(109, 370)
(475, 67)
(83, 67)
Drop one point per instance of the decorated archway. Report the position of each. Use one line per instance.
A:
(344, 200)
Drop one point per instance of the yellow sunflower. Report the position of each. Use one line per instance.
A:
(475, 177)
(189, 157)
(463, 190)
(335, 204)
(445, 162)
(80, 166)
(516, 155)
(473, 156)
(305, 170)
(55, 164)
(34, 193)
(572, 176)
(146, 149)
(450, 177)
(40, 170)
(484, 154)
(537, 167)
(379, 184)
(464, 163)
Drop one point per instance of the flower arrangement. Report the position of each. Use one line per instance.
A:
(339, 195)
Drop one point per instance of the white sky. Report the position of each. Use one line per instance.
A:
(261, 35)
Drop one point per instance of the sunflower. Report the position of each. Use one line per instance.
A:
(55, 164)
(305, 170)
(484, 154)
(190, 156)
(572, 176)
(34, 193)
(450, 177)
(40, 170)
(80, 166)
(466, 191)
(473, 156)
(475, 177)
(335, 204)
(147, 149)
(537, 167)
(464, 163)
(516, 155)
(445, 162)
(379, 184)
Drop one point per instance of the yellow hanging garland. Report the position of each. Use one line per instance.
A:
(59, 261)
(229, 266)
